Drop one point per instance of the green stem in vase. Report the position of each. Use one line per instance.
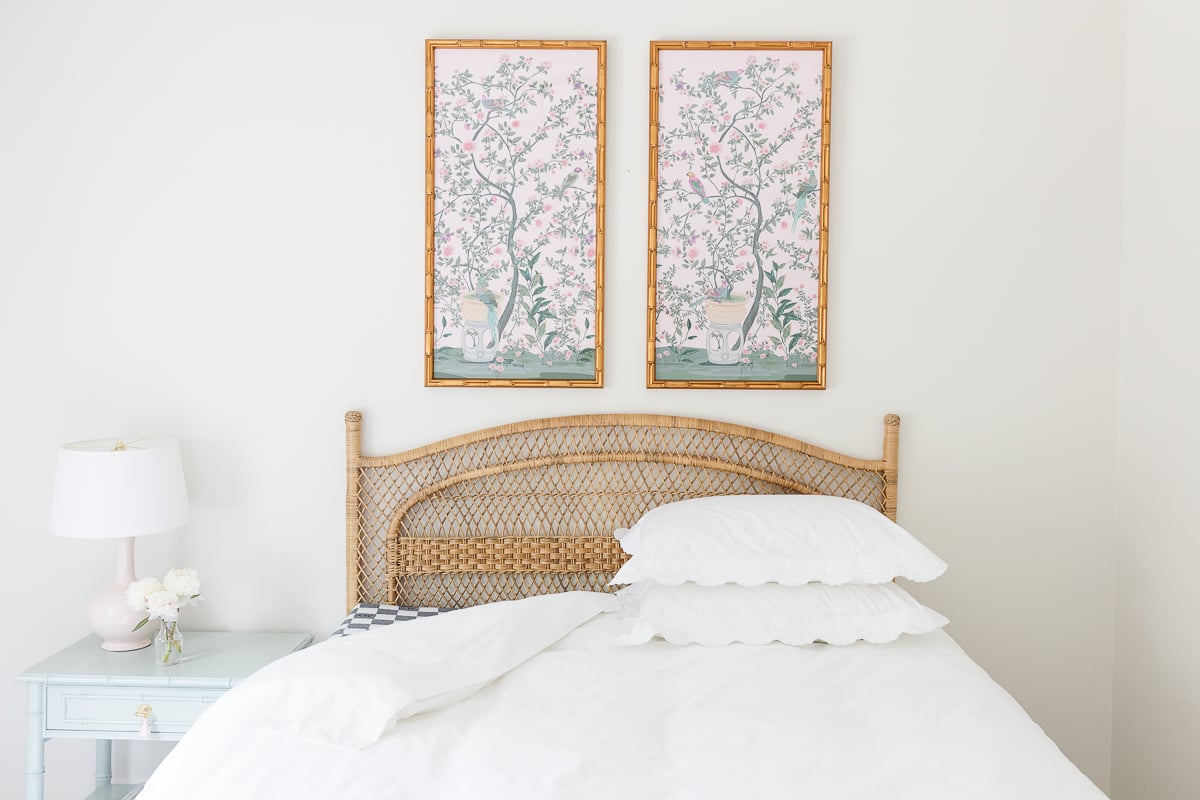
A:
(172, 643)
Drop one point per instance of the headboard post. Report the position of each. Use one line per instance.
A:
(891, 463)
(353, 466)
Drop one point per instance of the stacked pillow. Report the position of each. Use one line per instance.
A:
(760, 568)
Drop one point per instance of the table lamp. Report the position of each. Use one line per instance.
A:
(110, 489)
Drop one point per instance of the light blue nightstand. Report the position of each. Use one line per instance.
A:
(84, 692)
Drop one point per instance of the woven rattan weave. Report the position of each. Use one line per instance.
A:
(530, 508)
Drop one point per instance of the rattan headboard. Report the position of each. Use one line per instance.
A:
(530, 508)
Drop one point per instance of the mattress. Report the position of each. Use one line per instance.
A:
(508, 702)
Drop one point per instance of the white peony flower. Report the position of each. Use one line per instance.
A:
(138, 591)
(185, 583)
(163, 605)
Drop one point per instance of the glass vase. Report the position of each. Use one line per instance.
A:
(168, 644)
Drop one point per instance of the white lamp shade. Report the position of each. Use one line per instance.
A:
(101, 492)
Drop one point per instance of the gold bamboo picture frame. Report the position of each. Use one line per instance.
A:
(514, 212)
(738, 214)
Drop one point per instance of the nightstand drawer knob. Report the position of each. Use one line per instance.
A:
(143, 713)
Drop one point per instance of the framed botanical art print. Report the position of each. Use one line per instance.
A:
(514, 213)
(739, 199)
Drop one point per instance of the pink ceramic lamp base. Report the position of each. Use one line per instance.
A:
(110, 615)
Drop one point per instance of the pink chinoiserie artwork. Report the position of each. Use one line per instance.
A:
(738, 216)
(514, 224)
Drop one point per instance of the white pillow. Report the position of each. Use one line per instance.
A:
(720, 615)
(782, 538)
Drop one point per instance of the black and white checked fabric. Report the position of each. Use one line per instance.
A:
(366, 616)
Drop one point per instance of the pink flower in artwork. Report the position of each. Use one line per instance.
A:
(549, 363)
(783, 223)
(762, 355)
(591, 252)
(714, 148)
(692, 253)
(663, 354)
(742, 252)
(469, 147)
(538, 222)
(762, 126)
(447, 251)
(547, 207)
(745, 359)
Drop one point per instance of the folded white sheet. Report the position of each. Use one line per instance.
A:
(913, 719)
(349, 691)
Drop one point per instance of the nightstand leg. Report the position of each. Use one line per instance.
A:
(103, 762)
(35, 761)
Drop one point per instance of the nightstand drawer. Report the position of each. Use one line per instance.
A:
(112, 709)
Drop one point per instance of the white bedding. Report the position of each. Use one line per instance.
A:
(587, 718)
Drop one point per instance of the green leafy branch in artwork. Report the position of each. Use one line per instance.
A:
(789, 312)
(534, 302)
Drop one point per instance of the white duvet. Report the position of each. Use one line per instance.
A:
(534, 699)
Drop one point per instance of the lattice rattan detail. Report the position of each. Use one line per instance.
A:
(530, 508)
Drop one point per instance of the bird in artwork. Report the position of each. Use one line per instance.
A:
(492, 105)
(805, 189)
(569, 181)
(729, 76)
(487, 297)
(719, 294)
(697, 187)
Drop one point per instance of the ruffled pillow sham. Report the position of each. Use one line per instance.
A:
(794, 615)
(756, 539)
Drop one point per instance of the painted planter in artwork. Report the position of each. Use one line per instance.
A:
(480, 337)
(724, 341)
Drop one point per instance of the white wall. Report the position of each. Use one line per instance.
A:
(211, 227)
(1156, 722)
